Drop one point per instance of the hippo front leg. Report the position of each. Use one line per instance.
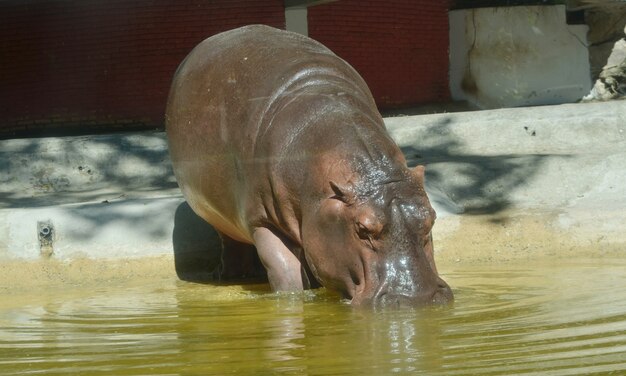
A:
(283, 267)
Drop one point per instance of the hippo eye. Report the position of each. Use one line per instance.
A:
(363, 232)
(368, 227)
(367, 234)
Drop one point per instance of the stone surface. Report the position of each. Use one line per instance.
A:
(514, 56)
(611, 82)
(506, 184)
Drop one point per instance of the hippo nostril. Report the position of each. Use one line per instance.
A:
(443, 293)
(354, 277)
(441, 283)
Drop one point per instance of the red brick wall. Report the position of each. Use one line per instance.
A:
(90, 63)
(83, 63)
(400, 47)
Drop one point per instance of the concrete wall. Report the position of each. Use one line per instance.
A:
(296, 20)
(607, 24)
(517, 56)
(508, 183)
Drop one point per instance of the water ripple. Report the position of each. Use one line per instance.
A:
(551, 319)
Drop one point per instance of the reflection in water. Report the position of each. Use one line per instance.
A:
(285, 334)
(543, 319)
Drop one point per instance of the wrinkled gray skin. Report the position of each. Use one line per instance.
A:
(277, 142)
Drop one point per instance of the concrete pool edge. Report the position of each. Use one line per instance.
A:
(516, 236)
(521, 240)
(509, 184)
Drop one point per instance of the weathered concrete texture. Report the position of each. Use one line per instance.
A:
(506, 184)
(534, 157)
(607, 46)
(606, 20)
(67, 170)
(522, 182)
(514, 56)
(611, 82)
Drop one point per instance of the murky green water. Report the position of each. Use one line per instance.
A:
(563, 318)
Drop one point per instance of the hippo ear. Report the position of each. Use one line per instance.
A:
(342, 192)
(418, 172)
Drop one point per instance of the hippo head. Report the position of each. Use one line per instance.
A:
(372, 241)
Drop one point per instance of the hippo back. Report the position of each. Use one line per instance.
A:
(224, 110)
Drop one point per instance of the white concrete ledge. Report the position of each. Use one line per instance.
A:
(126, 228)
(524, 182)
(506, 183)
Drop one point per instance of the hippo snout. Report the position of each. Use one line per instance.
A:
(439, 296)
(393, 294)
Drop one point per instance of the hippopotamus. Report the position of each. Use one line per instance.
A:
(277, 142)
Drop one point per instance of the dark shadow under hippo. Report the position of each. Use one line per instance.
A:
(277, 142)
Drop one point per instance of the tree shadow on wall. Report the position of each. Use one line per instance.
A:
(100, 172)
(50, 171)
(477, 184)
(95, 170)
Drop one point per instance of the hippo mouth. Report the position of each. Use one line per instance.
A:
(385, 296)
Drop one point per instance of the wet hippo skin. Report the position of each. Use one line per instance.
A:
(277, 142)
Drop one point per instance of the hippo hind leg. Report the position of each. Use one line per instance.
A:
(239, 261)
